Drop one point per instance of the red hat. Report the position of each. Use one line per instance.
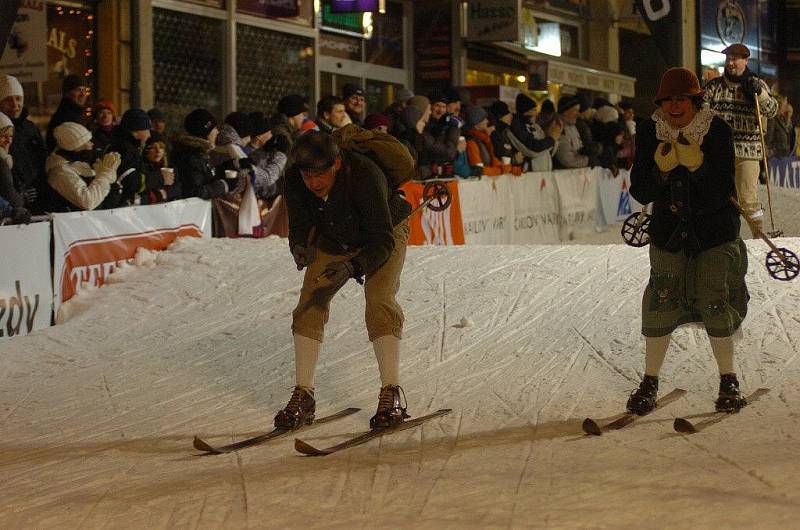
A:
(737, 49)
(374, 121)
(678, 82)
(103, 104)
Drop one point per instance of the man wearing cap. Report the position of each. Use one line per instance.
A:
(83, 181)
(685, 166)
(343, 225)
(331, 114)
(75, 91)
(733, 96)
(528, 139)
(28, 149)
(290, 118)
(353, 96)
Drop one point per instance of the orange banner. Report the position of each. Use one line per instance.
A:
(434, 228)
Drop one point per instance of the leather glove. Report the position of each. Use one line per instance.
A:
(689, 155)
(666, 157)
(106, 166)
(30, 195)
(752, 86)
(303, 256)
(338, 272)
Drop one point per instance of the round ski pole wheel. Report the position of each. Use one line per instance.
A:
(437, 196)
(634, 229)
(782, 264)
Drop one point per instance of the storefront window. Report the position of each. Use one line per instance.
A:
(386, 45)
(187, 64)
(270, 65)
(294, 11)
(70, 41)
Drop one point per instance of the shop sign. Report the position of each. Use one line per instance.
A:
(340, 46)
(269, 8)
(354, 6)
(493, 20)
(25, 55)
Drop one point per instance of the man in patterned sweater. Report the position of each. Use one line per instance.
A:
(732, 96)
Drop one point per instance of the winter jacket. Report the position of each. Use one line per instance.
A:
(729, 100)
(77, 183)
(355, 215)
(780, 137)
(67, 110)
(480, 153)
(569, 151)
(131, 172)
(102, 137)
(530, 140)
(691, 210)
(231, 154)
(443, 141)
(29, 153)
(269, 166)
(190, 158)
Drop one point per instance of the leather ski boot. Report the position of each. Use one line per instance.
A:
(730, 398)
(299, 411)
(390, 411)
(643, 400)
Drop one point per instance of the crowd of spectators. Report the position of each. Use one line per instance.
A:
(90, 157)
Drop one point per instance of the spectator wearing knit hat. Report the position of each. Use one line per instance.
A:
(28, 148)
(128, 139)
(13, 202)
(269, 159)
(82, 181)
(190, 158)
(377, 122)
(102, 124)
(443, 128)
(75, 91)
(537, 146)
(354, 102)
(454, 104)
(480, 151)
(409, 130)
(502, 116)
(570, 146)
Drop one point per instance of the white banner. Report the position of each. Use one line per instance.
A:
(26, 289)
(536, 209)
(616, 202)
(91, 245)
(25, 56)
(577, 195)
(487, 211)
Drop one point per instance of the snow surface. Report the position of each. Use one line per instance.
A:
(523, 342)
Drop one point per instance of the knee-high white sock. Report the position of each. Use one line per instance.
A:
(655, 349)
(387, 352)
(306, 352)
(723, 353)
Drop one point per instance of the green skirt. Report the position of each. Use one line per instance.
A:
(707, 288)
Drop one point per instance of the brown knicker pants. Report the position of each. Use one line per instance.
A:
(383, 314)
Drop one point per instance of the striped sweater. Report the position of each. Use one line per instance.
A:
(729, 101)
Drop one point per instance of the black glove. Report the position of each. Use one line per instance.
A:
(303, 256)
(30, 195)
(245, 163)
(338, 272)
(752, 86)
(281, 143)
(21, 215)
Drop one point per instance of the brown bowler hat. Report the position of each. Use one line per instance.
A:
(737, 49)
(678, 82)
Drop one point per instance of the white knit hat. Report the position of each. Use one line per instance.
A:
(71, 136)
(9, 86)
(5, 121)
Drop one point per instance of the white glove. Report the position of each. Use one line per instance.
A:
(106, 167)
(666, 157)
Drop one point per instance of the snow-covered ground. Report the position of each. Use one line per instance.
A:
(98, 414)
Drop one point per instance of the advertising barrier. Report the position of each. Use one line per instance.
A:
(91, 245)
(434, 228)
(615, 200)
(26, 288)
(785, 172)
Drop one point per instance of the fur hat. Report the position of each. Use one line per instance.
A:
(606, 114)
(9, 86)
(524, 104)
(135, 120)
(678, 82)
(564, 104)
(292, 105)
(376, 120)
(71, 136)
(199, 123)
(474, 115)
